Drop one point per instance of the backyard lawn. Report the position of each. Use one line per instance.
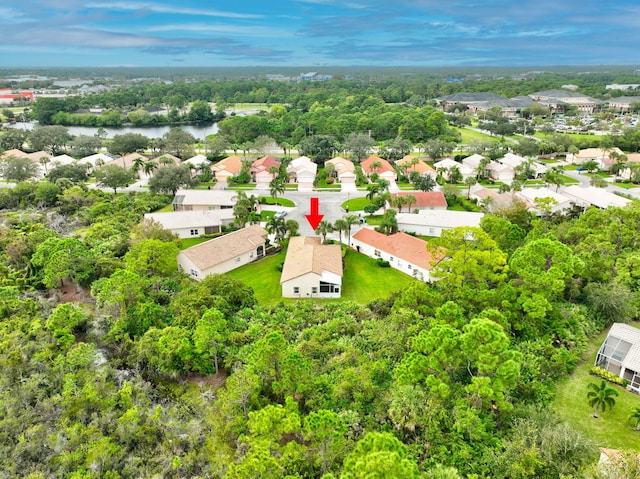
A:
(612, 429)
(363, 280)
(356, 204)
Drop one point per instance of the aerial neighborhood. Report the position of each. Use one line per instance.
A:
(382, 273)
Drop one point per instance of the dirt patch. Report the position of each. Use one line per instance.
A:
(73, 293)
(216, 380)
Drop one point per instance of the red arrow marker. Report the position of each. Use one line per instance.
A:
(315, 217)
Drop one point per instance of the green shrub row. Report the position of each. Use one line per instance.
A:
(608, 376)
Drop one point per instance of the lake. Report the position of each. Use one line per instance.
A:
(198, 131)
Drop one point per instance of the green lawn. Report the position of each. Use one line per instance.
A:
(363, 280)
(270, 200)
(356, 204)
(470, 136)
(612, 428)
(165, 209)
(189, 242)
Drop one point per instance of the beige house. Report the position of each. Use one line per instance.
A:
(226, 168)
(191, 224)
(311, 269)
(196, 200)
(410, 164)
(445, 165)
(604, 158)
(224, 253)
(344, 172)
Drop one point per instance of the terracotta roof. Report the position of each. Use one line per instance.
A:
(210, 253)
(425, 198)
(264, 163)
(421, 167)
(399, 245)
(232, 164)
(384, 165)
(306, 254)
(38, 154)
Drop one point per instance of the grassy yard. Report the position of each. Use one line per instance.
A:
(363, 280)
(189, 242)
(270, 200)
(165, 209)
(612, 428)
(356, 204)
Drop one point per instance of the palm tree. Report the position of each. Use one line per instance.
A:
(276, 187)
(601, 397)
(137, 164)
(149, 167)
(340, 226)
(166, 160)
(470, 181)
(277, 226)
(44, 160)
(373, 190)
(350, 220)
(323, 229)
(410, 200)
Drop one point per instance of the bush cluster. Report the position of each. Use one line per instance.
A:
(608, 376)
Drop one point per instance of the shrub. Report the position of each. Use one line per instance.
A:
(608, 376)
(279, 267)
(382, 263)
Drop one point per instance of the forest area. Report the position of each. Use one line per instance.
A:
(116, 365)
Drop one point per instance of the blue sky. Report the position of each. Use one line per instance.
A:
(318, 32)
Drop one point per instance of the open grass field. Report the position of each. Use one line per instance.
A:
(363, 280)
(189, 242)
(612, 428)
(471, 136)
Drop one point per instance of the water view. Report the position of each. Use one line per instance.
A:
(198, 131)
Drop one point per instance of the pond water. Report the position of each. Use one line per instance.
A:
(198, 131)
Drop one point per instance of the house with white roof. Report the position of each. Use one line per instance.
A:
(620, 354)
(61, 160)
(434, 222)
(446, 164)
(311, 269)
(223, 254)
(96, 160)
(586, 196)
(558, 202)
(501, 172)
(515, 161)
(197, 200)
(302, 171)
(473, 162)
(190, 224)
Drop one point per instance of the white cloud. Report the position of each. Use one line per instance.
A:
(157, 8)
(244, 31)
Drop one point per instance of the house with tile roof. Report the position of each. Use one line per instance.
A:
(604, 158)
(586, 196)
(344, 172)
(302, 170)
(263, 164)
(382, 167)
(446, 164)
(191, 224)
(434, 222)
(197, 200)
(410, 164)
(425, 200)
(558, 202)
(224, 253)
(126, 161)
(311, 269)
(226, 168)
(620, 354)
(404, 252)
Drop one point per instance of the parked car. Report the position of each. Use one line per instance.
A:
(280, 214)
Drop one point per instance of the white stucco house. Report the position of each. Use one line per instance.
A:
(197, 200)
(586, 196)
(311, 269)
(191, 224)
(224, 253)
(445, 165)
(434, 222)
(302, 171)
(404, 252)
(558, 203)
